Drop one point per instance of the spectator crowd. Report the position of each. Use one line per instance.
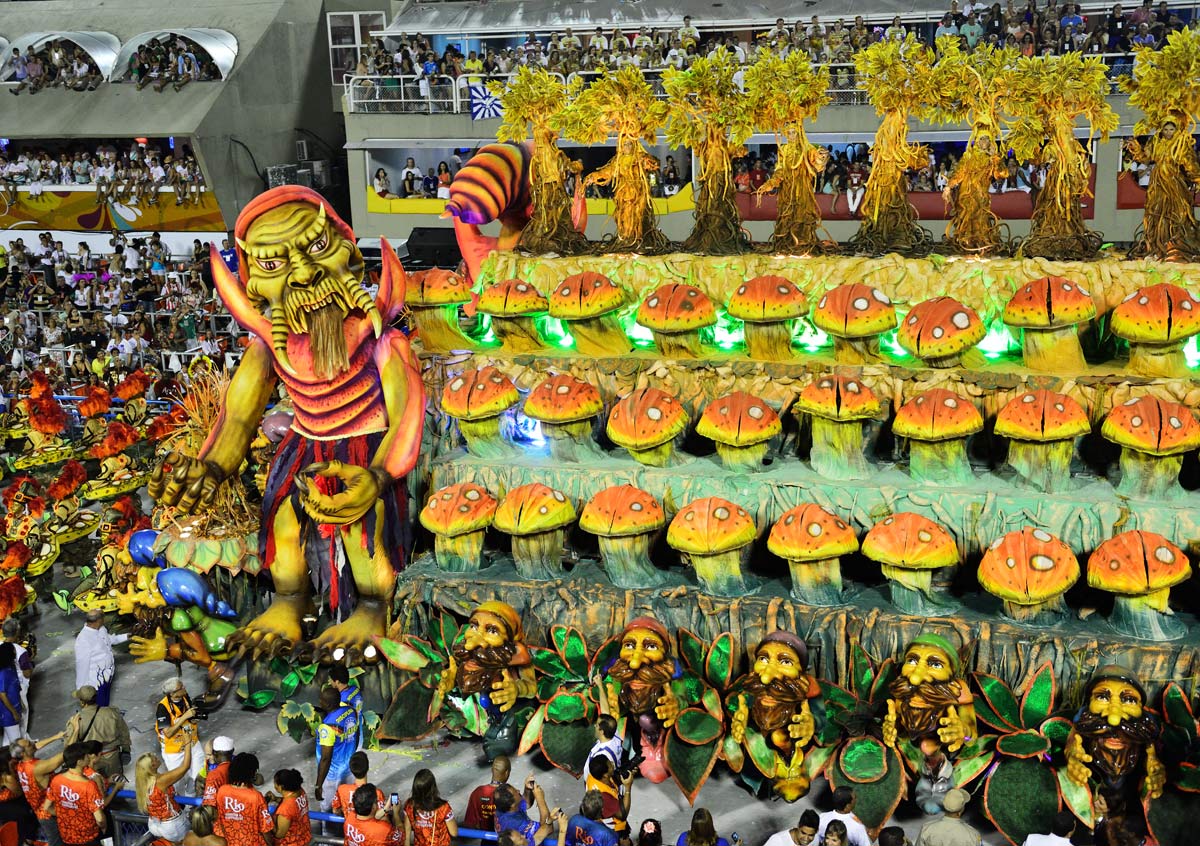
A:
(133, 174)
(60, 63)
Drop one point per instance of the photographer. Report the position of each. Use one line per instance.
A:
(175, 724)
(512, 816)
(603, 778)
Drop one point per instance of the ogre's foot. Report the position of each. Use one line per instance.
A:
(275, 631)
(350, 641)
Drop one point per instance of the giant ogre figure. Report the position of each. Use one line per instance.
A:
(334, 509)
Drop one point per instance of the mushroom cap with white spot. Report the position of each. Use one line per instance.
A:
(710, 526)
(512, 298)
(622, 511)
(1028, 567)
(1137, 563)
(646, 418)
(1049, 303)
(532, 509)
(940, 328)
(1042, 416)
(854, 310)
(578, 297)
(1152, 426)
(458, 510)
(838, 398)
(563, 399)
(809, 532)
(937, 415)
(910, 541)
(1155, 315)
(738, 419)
(675, 308)
(479, 394)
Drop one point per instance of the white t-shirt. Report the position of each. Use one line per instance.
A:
(610, 748)
(1046, 840)
(781, 838)
(856, 832)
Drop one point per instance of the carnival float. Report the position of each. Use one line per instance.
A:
(870, 513)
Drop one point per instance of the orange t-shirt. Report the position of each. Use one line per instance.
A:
(161, 804)
(217, 778)
(371, 832)
(242, 816)
(343, 800)
(299, 831)
(75, 801)
(429, 827)
(35, 794)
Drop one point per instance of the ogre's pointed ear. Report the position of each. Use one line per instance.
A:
(393, 283)
(235, 299)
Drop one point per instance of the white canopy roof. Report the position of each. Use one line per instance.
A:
(221, 45)
(102, 47)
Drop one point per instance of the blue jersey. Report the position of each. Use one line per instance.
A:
(352, 697)
(230, 257)
(338, 733)
(584, 832)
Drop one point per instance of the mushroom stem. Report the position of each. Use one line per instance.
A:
(1146, 617)
(484, 439)
(627, 561)
(914, 592)
(1149, 476)
(940, 462)
(769, 341)
(1048, 613)
(678, 344)
(460, 553)
(742, 458)
(599, 337)
(1053, 350)
(572, 442)
(817, 582)
(517, 334)
(837, 449)
(856, 350)
(657, 456)
(720, 574)
(437, 327)
(1044, 467)
(1165, 360)
(539, 556)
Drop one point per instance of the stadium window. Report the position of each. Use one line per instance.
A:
(349, 33)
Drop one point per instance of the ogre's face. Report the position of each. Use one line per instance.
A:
(1116, 701)
(923, 664)
(641, 646)
(485, 629)
(775, 661)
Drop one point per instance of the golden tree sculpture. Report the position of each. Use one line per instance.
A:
(968, 87)
(898, 78)
(1046, 96)
(531, 99)
(783, 94)
(1165, 85)
(621, 104)
(707, 112)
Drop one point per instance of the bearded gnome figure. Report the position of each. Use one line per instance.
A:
(931, 707)
(773, 699)
(646, 684)
(491, 661)
(1112, 743)
(333, 515)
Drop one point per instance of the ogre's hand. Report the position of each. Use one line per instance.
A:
(504, 691)
(1156, 774)
(802, 726)
(737, 723)
(952, 732)
(362, 487)
(1078, 760)
(449, 675)
(190, 484)
(668, 709)
(132, 599)
(889, 724)
(612, 694)
(146, 649)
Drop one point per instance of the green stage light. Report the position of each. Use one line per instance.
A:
(998, 342)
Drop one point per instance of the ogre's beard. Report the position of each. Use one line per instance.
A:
(327, 341)
(914, 719)
(641, 688)
(1137, 733)
(478, 668)
(772, 705)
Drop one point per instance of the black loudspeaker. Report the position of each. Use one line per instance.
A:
(433, 246)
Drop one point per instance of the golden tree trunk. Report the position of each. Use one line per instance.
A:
(1056, 230)
(1169, 228)
(798, 218)
(633, 211)
(550, 229)
(888, 221)
(718, 228)
(973, 228)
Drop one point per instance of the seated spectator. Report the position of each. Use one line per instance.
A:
(702, 831)
(429, 185)
(1015, 180)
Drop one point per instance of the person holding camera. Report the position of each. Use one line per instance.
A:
(370, 824)
(103, 724)
(175, 723)
(615, 787)
(512, 813)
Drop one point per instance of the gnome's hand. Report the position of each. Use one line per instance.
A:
(1078, 760)
(889, 724)
(737, 723)
(952, 732)
(802, 726)
(668, 709)
(1156, 774)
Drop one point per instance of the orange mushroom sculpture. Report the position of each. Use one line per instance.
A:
(812, 540)
(940, 331)
(566, 407)
(477, 399)
(911, 549)
(855, 315)
(646, 423)
(536, 517)
(625, 521)
(1029, 570)
(769, 306)
(513, 305)
(1047, 311)
(433, 298)
(741, 425)
(1153, 435)
(459, 516)
(588, 303)
(714, 535)
(936, 424)
(675, 313)
(1157, 320)
(1140, 568)
(1041, 427)
(838, 406)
